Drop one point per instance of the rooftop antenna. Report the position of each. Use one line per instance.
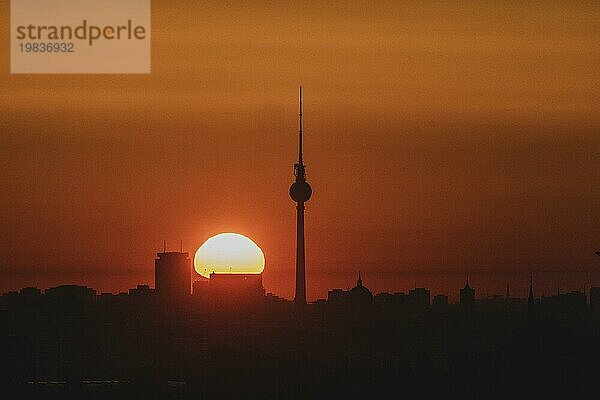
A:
(164, 246)
(531, 286)
(181, 245)
(587, 283)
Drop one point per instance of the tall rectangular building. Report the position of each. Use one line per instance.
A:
(173, 275)
(595, 298)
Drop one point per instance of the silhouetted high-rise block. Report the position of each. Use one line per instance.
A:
(173, 275)
(595, 298)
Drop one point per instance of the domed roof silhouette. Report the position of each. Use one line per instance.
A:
(359, 292)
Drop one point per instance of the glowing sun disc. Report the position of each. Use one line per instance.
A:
(229, 253)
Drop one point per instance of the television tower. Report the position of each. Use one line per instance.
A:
(300, 192)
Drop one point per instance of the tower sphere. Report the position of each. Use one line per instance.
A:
(300, 191)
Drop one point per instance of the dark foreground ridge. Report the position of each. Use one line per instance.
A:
(230, 340)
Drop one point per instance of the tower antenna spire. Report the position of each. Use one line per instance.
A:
(300, 130)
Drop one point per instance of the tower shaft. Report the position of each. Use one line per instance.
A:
(300, 297)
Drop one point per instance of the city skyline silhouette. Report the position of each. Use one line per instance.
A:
(224, 336)
(228, 338)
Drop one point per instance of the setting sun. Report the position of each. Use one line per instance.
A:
(229, 253)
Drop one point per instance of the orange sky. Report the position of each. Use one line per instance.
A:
(440, 138)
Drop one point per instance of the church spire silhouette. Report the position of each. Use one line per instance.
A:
(530, 301)
(467, 282)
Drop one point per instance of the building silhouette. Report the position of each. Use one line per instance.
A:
(531, 309)
(359, 294)
(467, 295)
(235, 291)
(440, 300)
(360, 300)
(173, 276)
(233, 341)
(595, 298)
(419, 297)
(69, 295)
